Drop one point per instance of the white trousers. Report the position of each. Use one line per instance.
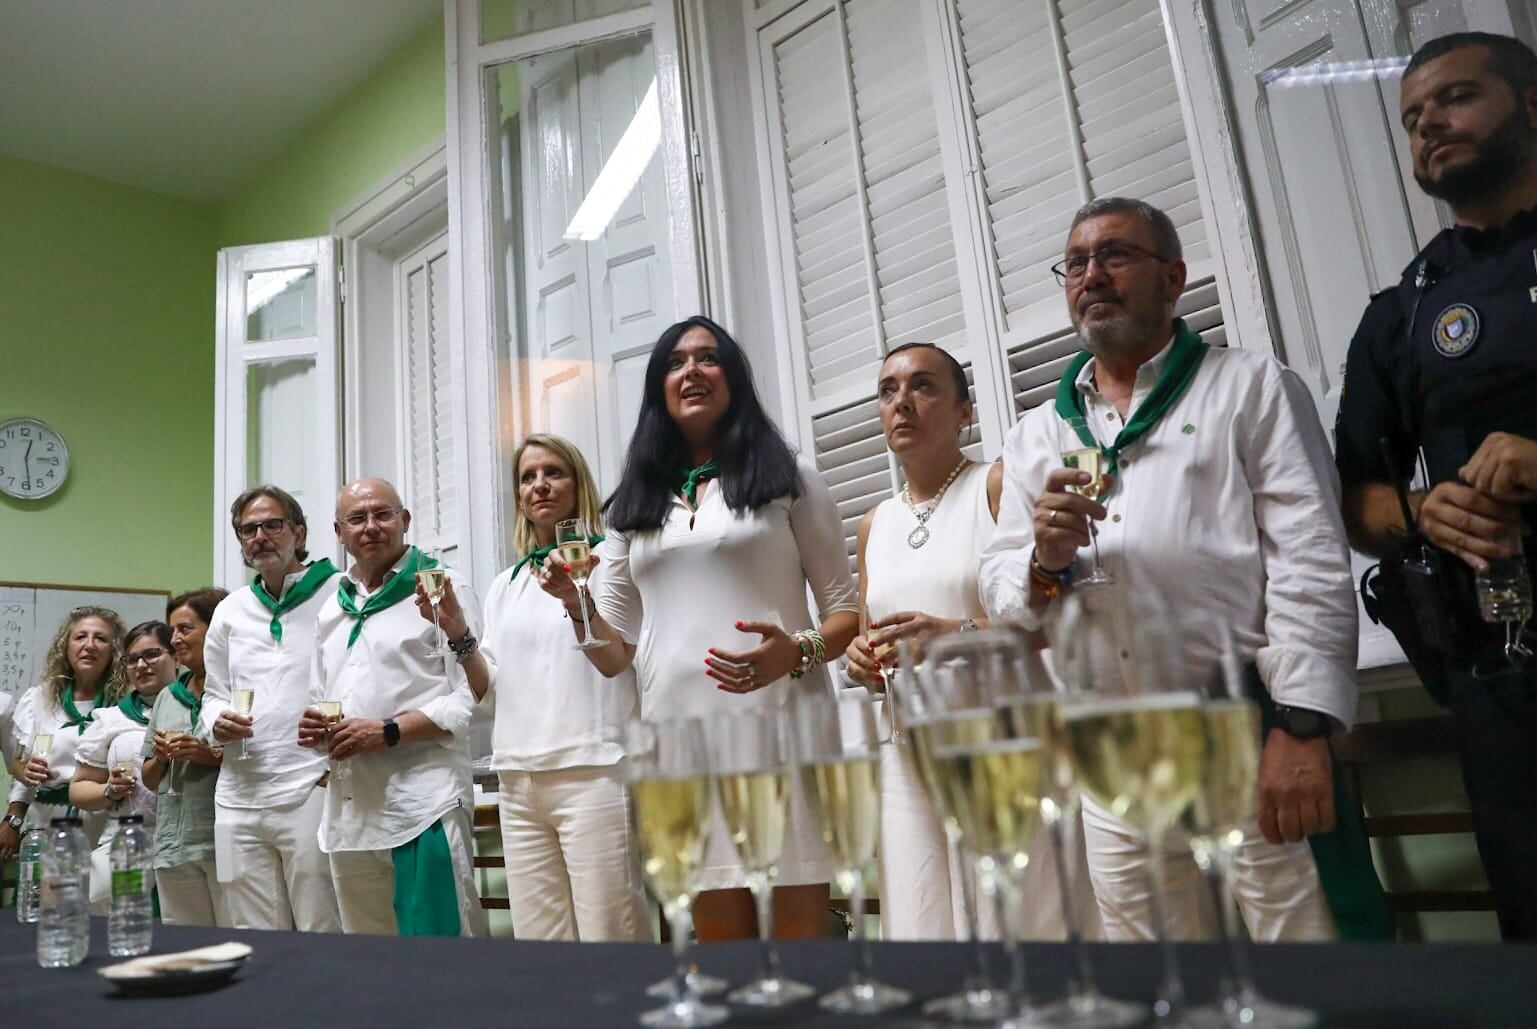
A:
(272, 869)
(190, 894)
(365, 883)
(1277, 887)
(573, 869)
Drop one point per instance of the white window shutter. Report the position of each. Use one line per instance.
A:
(430, 435)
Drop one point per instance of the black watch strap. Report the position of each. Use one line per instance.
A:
(1304, 723)
(391, 732)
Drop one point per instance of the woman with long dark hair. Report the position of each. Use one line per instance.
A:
(717, 530)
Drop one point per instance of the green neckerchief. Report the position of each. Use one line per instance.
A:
(692, 477)
(1179, 368)
(315, 576)
(538, 554)
(182, 692)
(133, 706)
(72, 713)
(397, 588)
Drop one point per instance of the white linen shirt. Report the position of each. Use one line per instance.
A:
(40, 711)
(1229, 505)
(239, 650)
(676, 591)
(397, 792)
(553, 709)
(112, 737)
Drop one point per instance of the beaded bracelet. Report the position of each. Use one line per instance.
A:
(813, 651)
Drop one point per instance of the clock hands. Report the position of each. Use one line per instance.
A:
(26, 461)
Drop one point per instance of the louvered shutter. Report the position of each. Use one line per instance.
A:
(429, 424)
(865, 221)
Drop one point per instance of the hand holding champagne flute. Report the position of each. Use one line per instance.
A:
(331, 710)
(1091, 460)
(574, 547)
(244, 700)
(42, 746)
(431, 580)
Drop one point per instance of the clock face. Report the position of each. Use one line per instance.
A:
(33, 459)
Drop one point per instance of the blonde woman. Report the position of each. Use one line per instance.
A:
(82, 674)
(557, 740)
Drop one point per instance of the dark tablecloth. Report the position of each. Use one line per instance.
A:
(295, 980)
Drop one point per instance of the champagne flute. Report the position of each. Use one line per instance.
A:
(42, 746)
(980, 1000)
(244, 699)
(1215, 827)
(171, 736)
(125, 769)
(838, 744)
(571, 541)
(668, 770)
(332, 710)
(752, 757)
(1135, 734)
(990, 754)
(1086, 459)
(432, 581)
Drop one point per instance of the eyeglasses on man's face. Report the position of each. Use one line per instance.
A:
(1112, 257)
(270, 526)
(384, 517)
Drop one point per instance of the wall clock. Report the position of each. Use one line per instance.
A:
(33, 459)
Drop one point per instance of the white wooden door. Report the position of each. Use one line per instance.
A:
(276, 416)
(594, 307)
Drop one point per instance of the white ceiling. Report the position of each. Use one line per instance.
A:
(185, 97)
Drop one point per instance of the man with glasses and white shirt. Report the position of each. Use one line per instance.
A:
(1222, 500)
(267, 806)
(399, 803)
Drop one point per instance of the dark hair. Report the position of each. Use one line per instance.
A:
(1509, 58)
(159, 630)
(291, 509)
(203, 601)
(756, 464)
(1165, 235)
(957, 373)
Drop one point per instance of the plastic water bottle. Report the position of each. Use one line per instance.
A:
(130, 926)
(29, 885)
(64, 916)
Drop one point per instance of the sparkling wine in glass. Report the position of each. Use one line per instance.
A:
(1091, 460)
(1214, 824)
(573, 546)
(245, 699)
(125, 768)
(432, 580)
(838, 744)
(752, 758)
(332, 710)
(669, 773)
(171, 736)
(42, 746)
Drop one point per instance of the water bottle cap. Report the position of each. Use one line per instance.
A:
(131, 820)
(73, 820)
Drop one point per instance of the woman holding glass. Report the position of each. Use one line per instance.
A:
(558, 736)
(717, 530)
(184, 770)
(82, 674)
(107, 761)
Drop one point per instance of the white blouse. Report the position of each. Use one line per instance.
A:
(940, 577)
(113, 737)
(40, 711)
(677, 591)
(553, 709)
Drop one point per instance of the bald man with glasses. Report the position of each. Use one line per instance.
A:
(268, 804)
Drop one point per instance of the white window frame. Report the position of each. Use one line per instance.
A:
(473, 237)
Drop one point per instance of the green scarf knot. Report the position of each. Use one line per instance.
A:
(191, 701)
(395, 589)
(72, 715)
(1185, 356)
(315, 576)
(133, 706)
(692, 477)
(536, 556)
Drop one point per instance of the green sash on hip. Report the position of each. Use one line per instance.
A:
(1343, 854)
(426, 898)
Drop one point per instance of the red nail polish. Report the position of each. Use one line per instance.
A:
(740, 624)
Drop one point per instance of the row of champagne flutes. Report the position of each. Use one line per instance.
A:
(1151, 725)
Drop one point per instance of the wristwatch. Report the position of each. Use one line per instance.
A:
(391, 732)
(1303, 724)
(14, 821)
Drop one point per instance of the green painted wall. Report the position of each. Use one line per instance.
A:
(384, 121)
(106, 334)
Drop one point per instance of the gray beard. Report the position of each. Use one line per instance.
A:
(1120, 334)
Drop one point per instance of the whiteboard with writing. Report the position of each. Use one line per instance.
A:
(30, 614)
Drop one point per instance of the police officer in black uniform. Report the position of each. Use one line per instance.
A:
(1446, 364)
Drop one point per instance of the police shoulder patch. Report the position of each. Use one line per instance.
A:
(1455, 331)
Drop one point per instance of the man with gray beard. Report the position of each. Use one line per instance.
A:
(1221, 501)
